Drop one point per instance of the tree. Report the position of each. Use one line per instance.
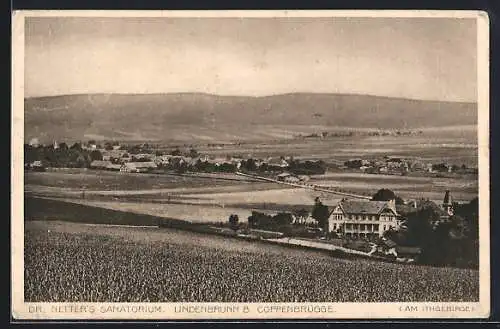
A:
(193, 153)
(108, 146)
(176, 152)
(95, 155)
(76, 146)
(302, 213)
(30, 153)
(63, 146)
(320, 213)
(249, 165)
(283, 219)
(233, 221)
(386, 195)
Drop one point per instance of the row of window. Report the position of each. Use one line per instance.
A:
(361, 227)
(383, 218)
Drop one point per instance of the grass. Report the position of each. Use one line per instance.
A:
(76, 263)
(46, 209)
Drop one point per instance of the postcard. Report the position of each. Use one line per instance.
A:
(187, 165)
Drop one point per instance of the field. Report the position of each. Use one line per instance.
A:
(456, 145)
(463, 188)
(68, 262)
(105, 180)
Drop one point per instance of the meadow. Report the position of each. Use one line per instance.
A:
(68, 262)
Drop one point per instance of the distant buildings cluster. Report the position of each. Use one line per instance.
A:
(402, 165)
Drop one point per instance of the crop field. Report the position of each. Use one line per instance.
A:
(68, 262)
(105, 180)
(193, 213)
(463, 189)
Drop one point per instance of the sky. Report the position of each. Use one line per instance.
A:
(417, 58)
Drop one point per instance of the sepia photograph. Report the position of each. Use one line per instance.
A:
(260, 164)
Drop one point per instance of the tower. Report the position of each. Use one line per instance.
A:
(448, 203)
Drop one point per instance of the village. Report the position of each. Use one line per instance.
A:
(140, 158)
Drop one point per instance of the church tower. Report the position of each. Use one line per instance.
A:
(448, 203)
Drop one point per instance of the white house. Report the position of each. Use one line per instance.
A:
(363, 218)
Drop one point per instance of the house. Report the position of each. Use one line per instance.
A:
(277, 162)
(383, 170)
(37, 166)
(144, 156)
(292, 179)
(138, 167)
(281, 177)
(99, 164)
(444, 212)
(304, 178)
(361, 218)
(34, 142)
(304, 219)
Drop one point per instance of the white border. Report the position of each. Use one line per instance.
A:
(21, 310)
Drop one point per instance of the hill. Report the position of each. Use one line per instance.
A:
(198, 117)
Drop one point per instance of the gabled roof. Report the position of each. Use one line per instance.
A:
(364, 207)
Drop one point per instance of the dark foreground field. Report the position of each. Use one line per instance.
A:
(70, 262)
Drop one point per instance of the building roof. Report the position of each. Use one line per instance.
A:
(364, 207)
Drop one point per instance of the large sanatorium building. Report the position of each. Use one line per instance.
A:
(363, 218)
(356, 218)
